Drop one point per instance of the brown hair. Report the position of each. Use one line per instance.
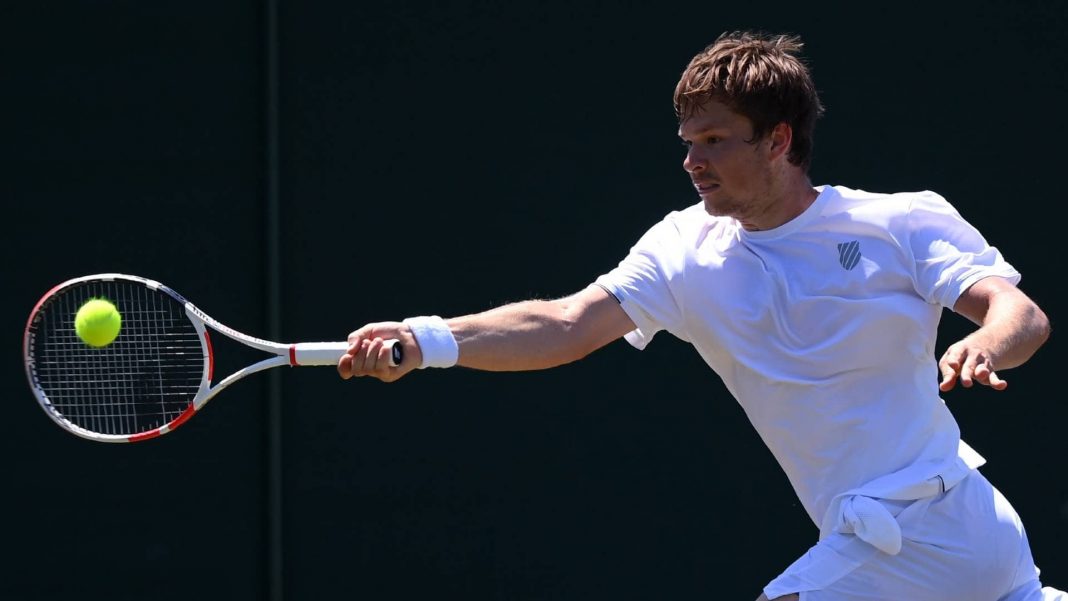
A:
(760, 77)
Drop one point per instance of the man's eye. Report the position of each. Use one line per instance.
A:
(709, 140)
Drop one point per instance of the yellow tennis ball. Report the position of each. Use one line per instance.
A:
(98, 322)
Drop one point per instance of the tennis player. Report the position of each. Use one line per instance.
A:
(818, 306)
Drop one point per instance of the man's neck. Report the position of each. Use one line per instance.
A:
(792, 200)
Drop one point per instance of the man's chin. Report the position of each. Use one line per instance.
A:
(718, 209)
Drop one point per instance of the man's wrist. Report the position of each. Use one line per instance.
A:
(435, 340)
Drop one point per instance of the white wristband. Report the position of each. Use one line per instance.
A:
(435, 340)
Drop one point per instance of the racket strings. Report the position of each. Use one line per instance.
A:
(143, 380)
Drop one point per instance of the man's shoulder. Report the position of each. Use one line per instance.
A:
(857, 200)
(860, 194)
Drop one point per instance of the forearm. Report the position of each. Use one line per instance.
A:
(1012, 329)
(536, 334)
(530, 335)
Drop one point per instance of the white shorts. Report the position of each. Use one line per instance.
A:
(967, 544)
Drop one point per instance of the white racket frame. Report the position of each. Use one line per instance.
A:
(295, 354)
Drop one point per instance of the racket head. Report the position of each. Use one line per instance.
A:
(145, 383)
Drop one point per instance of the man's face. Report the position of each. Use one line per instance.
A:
(732, 176)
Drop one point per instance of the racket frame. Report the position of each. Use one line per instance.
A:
(296, 354)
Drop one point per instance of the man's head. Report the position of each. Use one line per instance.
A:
(760, 77)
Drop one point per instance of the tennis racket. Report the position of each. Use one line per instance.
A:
(158, 371)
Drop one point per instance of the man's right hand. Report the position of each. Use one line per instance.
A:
(369, 356)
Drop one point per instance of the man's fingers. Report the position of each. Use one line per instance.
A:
(370, 355)
(367, 357)
(344, 366)
(988, 376)
(351, 363)
(948, 382)
(996, 382)
(967, 365)
(967, 372)
(950, 368)
(368, 332)
(358, 335)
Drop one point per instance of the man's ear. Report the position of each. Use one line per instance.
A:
(780, 138)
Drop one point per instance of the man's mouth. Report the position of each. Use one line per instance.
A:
(705, 187)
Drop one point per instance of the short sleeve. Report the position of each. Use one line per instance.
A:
(949, 253)
(642, 283)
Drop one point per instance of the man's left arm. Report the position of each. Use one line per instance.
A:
(1011, 328)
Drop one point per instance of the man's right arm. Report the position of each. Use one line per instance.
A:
(528, 335)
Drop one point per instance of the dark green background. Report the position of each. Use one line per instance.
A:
(428, 158)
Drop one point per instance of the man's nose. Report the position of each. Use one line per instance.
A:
(693, 162)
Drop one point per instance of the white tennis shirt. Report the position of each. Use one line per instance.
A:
(823, 329)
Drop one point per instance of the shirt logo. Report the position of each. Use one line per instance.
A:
(849, 254)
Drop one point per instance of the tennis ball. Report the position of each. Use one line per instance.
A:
(98, 322)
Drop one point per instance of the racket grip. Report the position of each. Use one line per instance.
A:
(328, 353)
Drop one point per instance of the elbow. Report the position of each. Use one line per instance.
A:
(576, 344)
(1043, 328)
(580, 339)
(1035, 332)
(1037, 322)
